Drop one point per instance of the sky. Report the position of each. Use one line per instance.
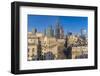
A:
(69, 23)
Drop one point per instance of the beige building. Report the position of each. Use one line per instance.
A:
(72, 39)
(53, 45)
(80, 50)
(32, 47)
(33, 44)
(79, 47)
(49, 44)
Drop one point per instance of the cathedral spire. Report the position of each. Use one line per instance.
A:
(59, 32)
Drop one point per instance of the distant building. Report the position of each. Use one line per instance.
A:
(49, 32)
(71, 39)
(52, 33)
(50, 45)
(34, 46)
(44, 32)
(34, 30)
(79, 52)
(69, 33)
(59, 32)
(38, 34)
(83, 33)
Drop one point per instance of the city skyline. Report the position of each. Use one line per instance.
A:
(60, 37)
(68, 23)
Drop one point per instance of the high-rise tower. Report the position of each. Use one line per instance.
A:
(50, 31)
(34, 30)
(83, 33)
(59, 32)
(57, 29)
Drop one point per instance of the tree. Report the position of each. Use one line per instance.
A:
(39, 50)
(66, 42)
(68, 49)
